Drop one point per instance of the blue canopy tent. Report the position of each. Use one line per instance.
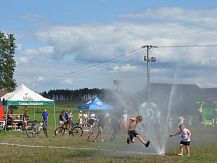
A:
(94, 105)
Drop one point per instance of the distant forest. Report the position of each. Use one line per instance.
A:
(65, 95)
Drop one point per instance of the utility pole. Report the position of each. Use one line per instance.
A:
(147, 59)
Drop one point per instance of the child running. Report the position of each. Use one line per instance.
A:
(185, 136)
(132, 133)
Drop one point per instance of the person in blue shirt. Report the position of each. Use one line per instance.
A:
(45, 118)
(66, 115)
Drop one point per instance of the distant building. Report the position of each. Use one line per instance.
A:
(183, 99)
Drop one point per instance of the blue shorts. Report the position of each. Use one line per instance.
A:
(132, 134)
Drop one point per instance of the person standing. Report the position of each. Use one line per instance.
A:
(45, 118)
(45, 121)
(101, 123)
(25, 119)
(71, 124)
(185, 135)
(62, 118)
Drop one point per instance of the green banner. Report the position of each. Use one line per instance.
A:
(29, 103)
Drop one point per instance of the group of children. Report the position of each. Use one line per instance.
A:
(185, 135)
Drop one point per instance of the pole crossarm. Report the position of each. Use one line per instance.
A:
(147, 60)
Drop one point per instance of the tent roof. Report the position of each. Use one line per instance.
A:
(95, 104)
(24, 96)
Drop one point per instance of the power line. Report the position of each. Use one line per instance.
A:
(88, 68)
(98, 64)
(186, 46)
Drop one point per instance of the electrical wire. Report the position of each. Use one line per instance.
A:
(186, 46)
(109, 61)
(88, 68)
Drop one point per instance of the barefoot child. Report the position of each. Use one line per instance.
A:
(185, 136)
(132, 133)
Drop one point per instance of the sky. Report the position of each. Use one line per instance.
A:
(90, 43)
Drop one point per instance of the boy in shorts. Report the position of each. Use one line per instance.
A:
(185, 135)
(132, 133)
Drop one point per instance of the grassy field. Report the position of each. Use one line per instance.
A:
(77, 149)
(16, 147)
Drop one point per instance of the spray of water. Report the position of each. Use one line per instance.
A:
(166, 126)
(157, 120)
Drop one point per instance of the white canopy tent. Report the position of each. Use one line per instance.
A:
(23, 96)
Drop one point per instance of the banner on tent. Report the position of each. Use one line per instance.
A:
(30, 103)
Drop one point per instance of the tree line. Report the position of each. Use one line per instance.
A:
(66, 95)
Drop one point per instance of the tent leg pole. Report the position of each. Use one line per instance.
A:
(54, 113)
(6, 118)
(34, 113)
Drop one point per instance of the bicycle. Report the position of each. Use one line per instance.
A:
(34, 129)
(61, 130)
(75, 130)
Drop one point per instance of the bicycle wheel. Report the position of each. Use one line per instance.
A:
(61, 131)
(91, 137)
(77, 131)
(30, 131)
(35, 132)
(45, 132)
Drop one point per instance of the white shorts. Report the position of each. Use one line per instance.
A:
(61, 122)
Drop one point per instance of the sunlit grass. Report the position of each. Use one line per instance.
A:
(46, 150)
(77, 149)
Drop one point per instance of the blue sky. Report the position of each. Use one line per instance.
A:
(58, 40)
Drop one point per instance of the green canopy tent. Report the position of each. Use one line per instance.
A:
(207, 114)
(23, 96)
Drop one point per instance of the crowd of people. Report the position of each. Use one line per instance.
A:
(116, 122)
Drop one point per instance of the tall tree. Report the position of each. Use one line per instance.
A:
(7, 61)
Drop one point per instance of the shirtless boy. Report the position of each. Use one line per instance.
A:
(132, 133)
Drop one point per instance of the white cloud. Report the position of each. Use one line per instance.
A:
(100, 42)
(125, 68)
(32, 17)
(199, 16)
(48, 50)
(21, 60)
(19, 47)
(66, 81)
(69, 46)
(40, 79)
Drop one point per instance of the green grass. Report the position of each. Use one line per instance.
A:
(203, 147)
(203, 152)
